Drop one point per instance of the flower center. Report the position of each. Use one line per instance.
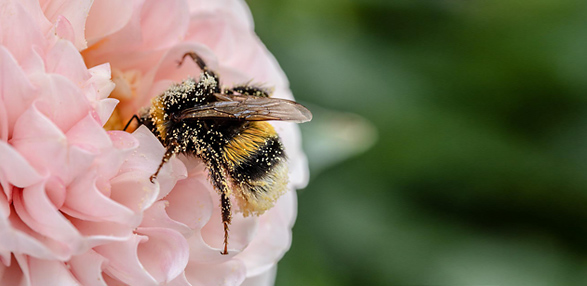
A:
(127, 84)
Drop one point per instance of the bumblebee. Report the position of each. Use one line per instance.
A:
(226, 128)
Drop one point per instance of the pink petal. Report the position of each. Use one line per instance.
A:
(124, 263)
(64, 59)
(237, 9)
(227, 274)
(50, 272)
(86, 201)
(58, 248)
(159, 34)
(16, 237)
(165, 254)
(46, 148)
(273, 237)
(107, 17)
(111, 281)
(195, 167)
(98, 88)
(168, 69)
(297, 161)
(87, 268)
(201, 252)
(61, 100)
(35, 208)
(75, 12)
(16, 91)
(4, 207)
(104, 109)
(168, 72)
(3, 122)
(123, 141)
(266, 278)
(156, 216)
(242, 230)
(87, 134)
(180, 280)
(35, 62)
(136, 45)
(5, 254)
(214, 31)
(101, 232)
(124, 39)
(19, 30)
(56, 191)
(101, 81)
(19, 172)
(12, 274)
(147, 158)
(109, 162)
(190, 202)
(134, 190)
(206, 244)
(237, 47)
(64, 30)
(145, 92)
(287, 208)
(34, 9)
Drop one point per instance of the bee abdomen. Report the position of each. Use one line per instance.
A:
(257, 168)
(260, 162)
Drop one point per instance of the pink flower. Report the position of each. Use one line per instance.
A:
(77, 206)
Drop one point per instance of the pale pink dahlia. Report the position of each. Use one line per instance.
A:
(77, 206)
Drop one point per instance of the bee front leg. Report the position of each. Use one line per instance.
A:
(199, 61)
(205, 70)
(172, 149)
(130, 121)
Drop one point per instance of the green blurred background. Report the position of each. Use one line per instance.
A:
(449, 144)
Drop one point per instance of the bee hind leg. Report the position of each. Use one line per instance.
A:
(226, 218)
(218, 179)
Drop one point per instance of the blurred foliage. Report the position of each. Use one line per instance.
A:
(478, 175)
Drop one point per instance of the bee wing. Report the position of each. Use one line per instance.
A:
(250, 108)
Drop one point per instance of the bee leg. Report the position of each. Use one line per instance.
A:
(200, 62)
(226, 218)
(196, 59)
(131, 119)
(216, 173)
(171, 150)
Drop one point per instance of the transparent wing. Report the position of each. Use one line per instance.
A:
(250, 108)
